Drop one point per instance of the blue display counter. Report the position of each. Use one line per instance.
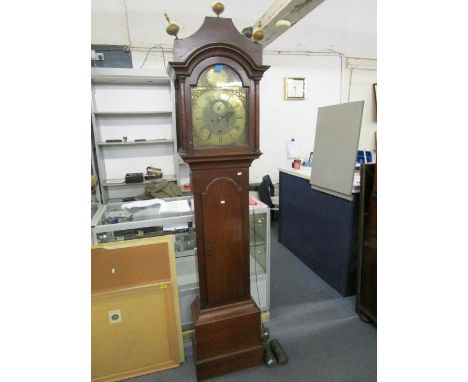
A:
(320, 229)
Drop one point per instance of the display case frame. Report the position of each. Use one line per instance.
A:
(186, 259)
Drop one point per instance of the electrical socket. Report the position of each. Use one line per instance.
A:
(93, 54)
(100, 57)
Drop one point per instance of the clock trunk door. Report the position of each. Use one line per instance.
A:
(224, 242)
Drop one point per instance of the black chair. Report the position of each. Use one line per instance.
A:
(265, 191)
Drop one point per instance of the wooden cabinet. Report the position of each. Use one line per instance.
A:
(366, 295)
(135, 319)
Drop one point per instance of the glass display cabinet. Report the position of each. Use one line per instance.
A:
(112, 222)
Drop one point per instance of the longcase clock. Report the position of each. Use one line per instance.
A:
(216, 74)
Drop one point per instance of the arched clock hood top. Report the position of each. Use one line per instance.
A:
(216, 31)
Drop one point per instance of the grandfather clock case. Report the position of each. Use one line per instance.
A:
(216, 74)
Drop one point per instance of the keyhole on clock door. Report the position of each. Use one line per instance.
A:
(209, 250)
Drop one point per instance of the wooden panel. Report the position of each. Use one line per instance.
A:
(366, 296)
(142, 342)
(227, 338)
(229, 363)
(213, 31)
(371, 229)
(335, 147)
(115, 267)
(136, 329)
(201, 179)
(222, 215)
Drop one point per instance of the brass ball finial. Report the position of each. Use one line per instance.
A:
(217, 7)
(258, 34)
(172, 28)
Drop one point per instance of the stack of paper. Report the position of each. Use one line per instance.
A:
(175, 206)
(143, 203)
(292, 149)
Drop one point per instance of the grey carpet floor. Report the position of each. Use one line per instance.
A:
(319, 329)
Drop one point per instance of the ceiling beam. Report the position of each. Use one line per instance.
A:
(291, 10)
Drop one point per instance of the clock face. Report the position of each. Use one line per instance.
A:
(219, 112)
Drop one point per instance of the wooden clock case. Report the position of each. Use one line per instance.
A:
(227, 320)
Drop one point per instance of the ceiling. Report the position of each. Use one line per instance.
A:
(347, 26)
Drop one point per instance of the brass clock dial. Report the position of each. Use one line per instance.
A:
(219, 112)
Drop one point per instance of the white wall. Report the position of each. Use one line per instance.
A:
(348, 26)
(327, 76)
(359, 75)
(281, 120)
(362, 89)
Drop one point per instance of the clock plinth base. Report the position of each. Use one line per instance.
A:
(227, 338)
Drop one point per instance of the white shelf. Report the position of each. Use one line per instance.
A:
(110, 182)
(130, 76)
(133, 143)
(134, 112)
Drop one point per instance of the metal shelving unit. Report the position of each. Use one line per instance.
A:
(137, 104)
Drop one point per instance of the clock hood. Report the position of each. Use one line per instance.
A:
(215, 31)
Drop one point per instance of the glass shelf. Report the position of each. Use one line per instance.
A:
(122, 183)
(94, 208)
(185, 243)
(187, 275)
(256, 240)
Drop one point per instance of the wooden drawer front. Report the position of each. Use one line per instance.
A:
(114, 268)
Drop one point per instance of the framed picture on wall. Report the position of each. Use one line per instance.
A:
(294, 88)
